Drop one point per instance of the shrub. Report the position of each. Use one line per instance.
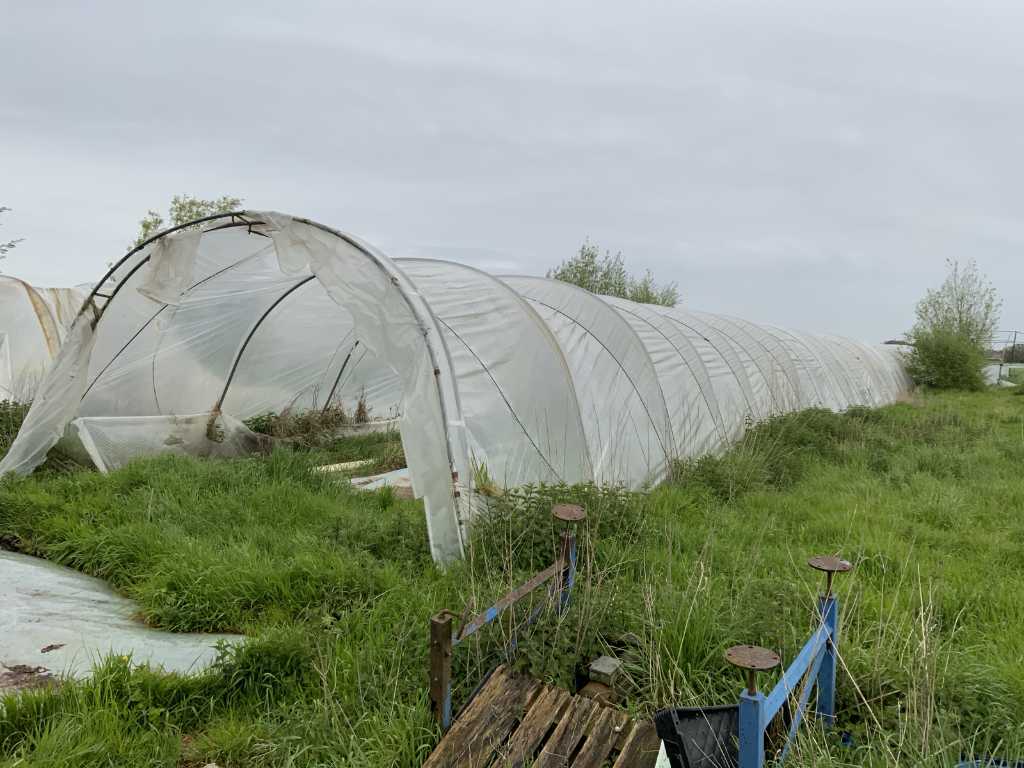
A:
(965, 304)
(946, 360)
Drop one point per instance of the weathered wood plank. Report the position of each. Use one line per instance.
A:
(572, 729)
(515, 721)
(547, 709)
(641, 747)
(603, 734)
(486, 723)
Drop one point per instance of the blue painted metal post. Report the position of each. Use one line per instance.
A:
(828, 606)
(751, 729)
(754, 711)
(567, 516)
(567, 578)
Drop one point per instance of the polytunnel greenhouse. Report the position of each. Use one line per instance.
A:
(33, 322)
(524, 379)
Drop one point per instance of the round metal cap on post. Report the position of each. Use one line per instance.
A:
(752, 659)
(566, 517)
(568, 513)
(830, 565)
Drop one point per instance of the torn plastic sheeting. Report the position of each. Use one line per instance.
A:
(33, 324)
(56, 402)
(391, 319)
(171, 266)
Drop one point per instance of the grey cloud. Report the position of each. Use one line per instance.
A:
(798, 163)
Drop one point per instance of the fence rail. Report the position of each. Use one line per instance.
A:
(721, 736)
(444, 637)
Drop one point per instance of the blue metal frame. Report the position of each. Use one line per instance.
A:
(815, 665)
(444, 637)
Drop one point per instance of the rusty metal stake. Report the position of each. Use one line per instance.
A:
(441, 667)
(752, 659)
(831, 566)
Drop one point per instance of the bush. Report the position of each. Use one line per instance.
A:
(946, 360)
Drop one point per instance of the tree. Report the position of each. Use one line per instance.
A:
(966, 304)
(183, 209)
(8, 245)
(950, 340)
(606, 275)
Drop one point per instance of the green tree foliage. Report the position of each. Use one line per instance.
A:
(965, 304)
(183, 209)
(954, 329)
(606, 275)
(6, 246)
(945, 359)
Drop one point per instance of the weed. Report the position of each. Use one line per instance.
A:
(362, 414)
(309, 427)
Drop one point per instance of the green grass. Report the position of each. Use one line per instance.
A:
(336, 589)
(12, 414)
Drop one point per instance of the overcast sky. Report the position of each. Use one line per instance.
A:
(809, 164)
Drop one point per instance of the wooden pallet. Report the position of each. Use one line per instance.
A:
(516, 721)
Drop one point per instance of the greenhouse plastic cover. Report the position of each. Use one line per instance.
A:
(33, 323)
(519, 379)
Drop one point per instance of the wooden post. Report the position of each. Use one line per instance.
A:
(441, 668)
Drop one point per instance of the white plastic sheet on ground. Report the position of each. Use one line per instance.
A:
(33, 323)
(515, 379)
(65, 622)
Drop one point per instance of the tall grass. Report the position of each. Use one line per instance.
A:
(12, 414)
(336, 589)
